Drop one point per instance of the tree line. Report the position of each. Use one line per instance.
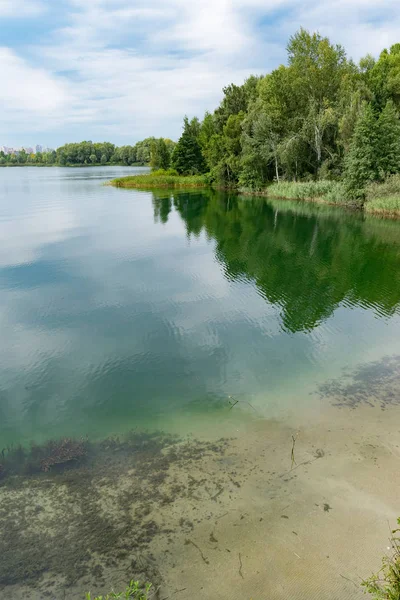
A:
(145, 152)
(321, 116)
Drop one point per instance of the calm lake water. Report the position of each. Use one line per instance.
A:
(233, 367)
(124, 308)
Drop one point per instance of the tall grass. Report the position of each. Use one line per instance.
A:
(318, 191)
(161, 179)
(384, 197)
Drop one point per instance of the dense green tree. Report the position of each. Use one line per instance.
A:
(187, 157)
(362, 160)
(389, 140)
(160, 156)
(382, 77)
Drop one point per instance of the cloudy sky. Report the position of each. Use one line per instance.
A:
(122, 70)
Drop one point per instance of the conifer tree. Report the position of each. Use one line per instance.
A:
(187, 157)
(389, 140)
(362, 160)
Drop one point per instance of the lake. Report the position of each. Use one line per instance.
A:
(235, 359)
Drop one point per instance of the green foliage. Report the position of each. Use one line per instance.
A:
(187, 157)
(362, 160)
(383, 77)
(385, 585)
(374, 151)
(389, 140)
(134, 591)
(160, 154)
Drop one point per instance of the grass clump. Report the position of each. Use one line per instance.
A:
(385, 585)
(331, 192)
(162, 179)
(134, 591)
(384, 197)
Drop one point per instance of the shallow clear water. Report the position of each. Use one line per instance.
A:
(273, 325)
(123, 308)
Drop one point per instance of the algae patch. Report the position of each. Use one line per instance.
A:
(84, 519)
(375, 383)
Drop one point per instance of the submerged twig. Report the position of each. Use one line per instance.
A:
(217, 494)
(347, 579)
(205, 559)
(292, 453)
(232, 404)
(176, 592)
(240, 566)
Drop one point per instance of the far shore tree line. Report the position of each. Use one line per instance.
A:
(145, 152)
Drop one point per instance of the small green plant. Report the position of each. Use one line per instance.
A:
(385, 585)
(134, 591)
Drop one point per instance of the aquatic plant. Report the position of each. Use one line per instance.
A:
(134, 590)
(85, 518)
(385, 585)
(63, 451)
(19, 460)
(374, 383)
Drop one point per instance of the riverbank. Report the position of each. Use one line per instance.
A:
(380, 198)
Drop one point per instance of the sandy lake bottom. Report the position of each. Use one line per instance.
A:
(237, 516)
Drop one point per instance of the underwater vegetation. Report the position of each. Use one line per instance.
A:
(371, 383)
(135, 591)
(20, 460)
(73, 513)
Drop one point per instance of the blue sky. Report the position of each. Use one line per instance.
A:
(122, 70)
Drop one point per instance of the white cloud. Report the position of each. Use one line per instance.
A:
(20, 8)
(28, 93)
(132, 70)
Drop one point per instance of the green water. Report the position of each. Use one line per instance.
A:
(123, 309)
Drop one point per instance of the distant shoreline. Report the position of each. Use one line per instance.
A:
(74, 166)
